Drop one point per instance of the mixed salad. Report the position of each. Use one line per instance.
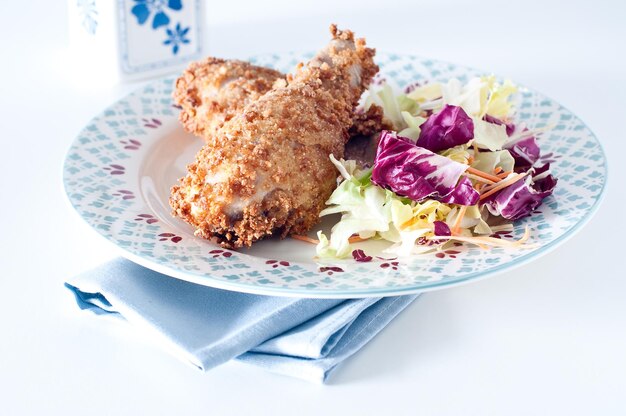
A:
(454, 168)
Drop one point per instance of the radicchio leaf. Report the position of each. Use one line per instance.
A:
(417, 173)
(448, 128)
(441, 228)
(523, 197)
(462, 193)
(525, 152)
(510, 127)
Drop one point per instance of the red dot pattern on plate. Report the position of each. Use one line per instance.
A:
(330, 270)
(131, 144)
(126, 195)
(217, 253)
(277, 263)
(150, 219)
(393, 265)
(115, 169)
(170, 236)
(450, 253)
(153, 123)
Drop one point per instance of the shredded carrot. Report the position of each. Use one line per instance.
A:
(479, 178)
(497, 170)
(485, 242)
(487, 188)
(503, 175)
(408, 223)
(457, 223)
(483, 174)
(356, 239)
(305, 239)
(502, 185)
(470, 160)
(411, 222)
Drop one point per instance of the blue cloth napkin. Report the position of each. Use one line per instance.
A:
(304, 338)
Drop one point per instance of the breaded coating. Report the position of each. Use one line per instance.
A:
(267, 170)
(212, 91)
(370, 122)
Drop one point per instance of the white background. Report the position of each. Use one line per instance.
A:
(548, 338)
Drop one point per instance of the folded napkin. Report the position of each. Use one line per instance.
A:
(305, 338)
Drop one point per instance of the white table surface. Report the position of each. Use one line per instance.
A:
(548, 338)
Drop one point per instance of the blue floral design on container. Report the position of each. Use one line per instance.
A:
(88, 14)
(144, 8)
(176, 37)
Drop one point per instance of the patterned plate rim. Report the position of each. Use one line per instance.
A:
(206, 280)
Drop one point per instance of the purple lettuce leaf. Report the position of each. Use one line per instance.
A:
(525, 152)
(448, 128)
(462, 193)
(523, 197)
(417, 173)
(441, 228)
(510, 127)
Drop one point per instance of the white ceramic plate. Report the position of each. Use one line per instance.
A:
(120, 168)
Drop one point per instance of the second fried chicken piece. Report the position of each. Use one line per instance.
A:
(267, 170)
(212, 91)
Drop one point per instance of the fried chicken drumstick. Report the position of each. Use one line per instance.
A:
(267, 171)
(212, 91)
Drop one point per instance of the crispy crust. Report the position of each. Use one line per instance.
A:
(266, 171)
(212, 91)
(370, 122)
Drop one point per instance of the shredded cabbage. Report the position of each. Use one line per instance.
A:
(489, 135)
(457, 153)
(427, 92)
(488, 161)
(371, 211)
(499, 104)
(483, 136)
(472, 97)
(404, 113)
(413, 130)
